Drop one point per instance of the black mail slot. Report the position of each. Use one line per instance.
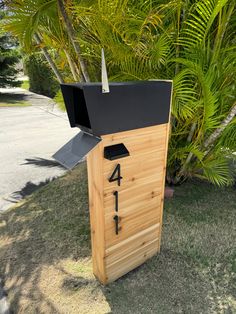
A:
(116, 151)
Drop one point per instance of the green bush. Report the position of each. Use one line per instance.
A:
(41, 77)
(9, 58)
(60, 101)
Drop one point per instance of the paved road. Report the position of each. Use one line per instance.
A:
(28, 138)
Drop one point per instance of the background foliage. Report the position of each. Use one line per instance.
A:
(41, 78)
(9, 57)
(191, 42)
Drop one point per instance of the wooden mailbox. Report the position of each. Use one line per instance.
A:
(125, 136)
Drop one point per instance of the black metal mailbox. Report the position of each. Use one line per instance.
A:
(128, 106)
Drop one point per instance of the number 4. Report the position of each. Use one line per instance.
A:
(116, 175)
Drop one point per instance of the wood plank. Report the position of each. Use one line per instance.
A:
(132, 222)
(138, 179)
(112, 138)
(132, 207)
(124, 248)
(97, 222)
(151, 145)
(132, 195)
(131, 261)
(140, 201)
(136, 164)
(167, 135)
(116, 264)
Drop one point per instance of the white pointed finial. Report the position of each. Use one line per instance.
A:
(105, 85)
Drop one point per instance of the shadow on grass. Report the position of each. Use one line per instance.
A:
(46, 229)
(52, 227)
(30, 188)
(11, 98)
(167, 283)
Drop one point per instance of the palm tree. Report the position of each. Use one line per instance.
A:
(34, 19)
(25, 22)
(72, 35)
(191, 42)
(48, 58)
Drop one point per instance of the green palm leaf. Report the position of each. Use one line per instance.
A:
(216, 170)
(200, 21)
(25, 19)
(185, 101)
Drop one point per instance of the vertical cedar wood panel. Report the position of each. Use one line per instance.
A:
(114, 255)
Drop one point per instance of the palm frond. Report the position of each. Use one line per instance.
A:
(228, 137)
(181, 153)
(216, 170)
(210, 119)
(132, 68)
(185, 100)
(200, 21)
(25, 17)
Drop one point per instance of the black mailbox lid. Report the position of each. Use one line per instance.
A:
(129, 105)
(76, 149)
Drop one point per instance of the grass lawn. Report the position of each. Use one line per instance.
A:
(60, 101)
(13, 100)
(25, 85)
(45, 257)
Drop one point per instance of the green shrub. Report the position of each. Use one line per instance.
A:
(60, 101)
(41, 77)
(9, 58)
(25, 85)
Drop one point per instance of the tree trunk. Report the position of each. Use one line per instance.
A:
(192, 130)
(49, 59)
(213, 137)
(78, 72)
(71, 65)
(72, 36)
(190, 155)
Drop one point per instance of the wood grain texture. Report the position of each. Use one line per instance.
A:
(96, 209)
(132, 252)
(168, 131)
(140, 198)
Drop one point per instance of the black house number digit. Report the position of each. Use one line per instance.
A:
(116, 175)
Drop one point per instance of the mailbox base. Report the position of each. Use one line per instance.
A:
(126, 210)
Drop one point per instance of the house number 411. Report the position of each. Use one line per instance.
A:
(116, 176)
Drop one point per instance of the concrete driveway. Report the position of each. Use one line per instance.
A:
(29, 136)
